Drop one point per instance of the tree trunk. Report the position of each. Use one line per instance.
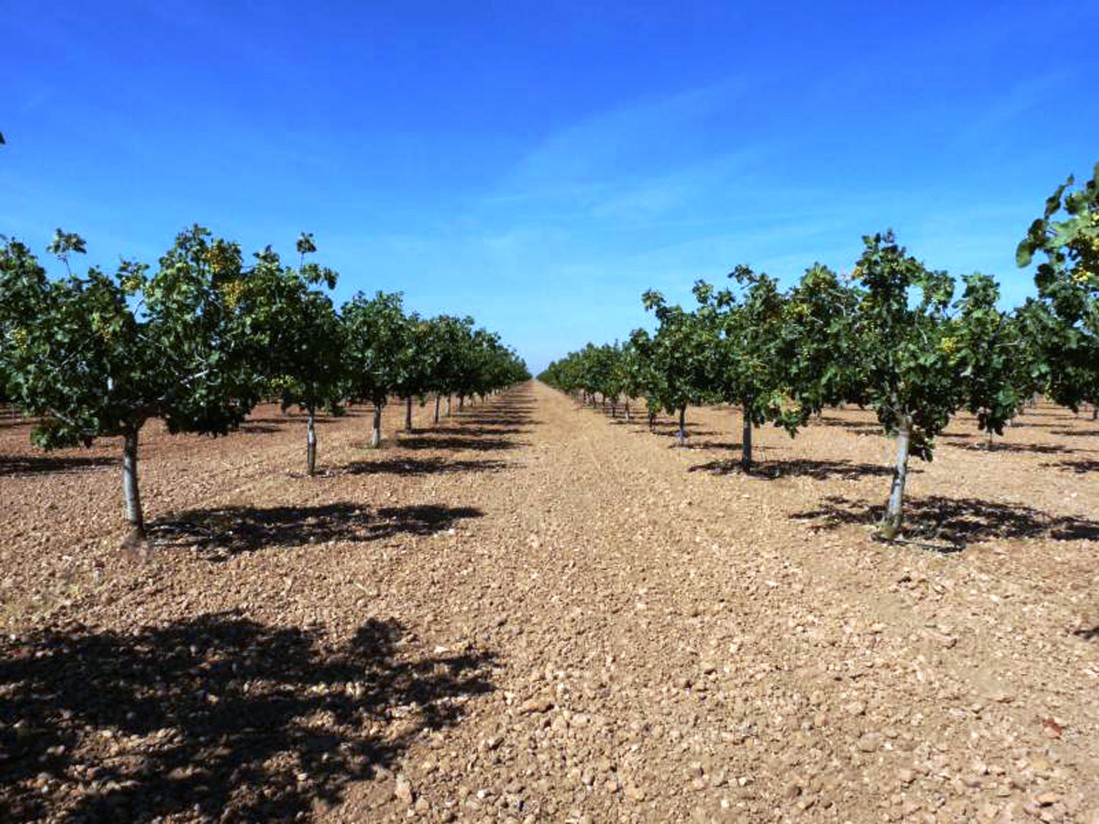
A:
(614, 409)
(130, 492)
(891, 523)
(311, 445)
(627, 410)
(461, 402)
(408, 414)
(448, 406)
(746, 438)
(681, 436)
(652, 421)
(438, 399)
(376, 432)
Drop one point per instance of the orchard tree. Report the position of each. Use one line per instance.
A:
(99, 355)
(823, 367)
(915, 378)
(475, 373)
(378, 336)
(749, 353)
(448, 342)
(418, 364)
(563, 374)
(610, 357)
(495, 366)
(998, 366)
(680, 352)
(594, 367)
(297, 338)
(632, 371)
(1067, 236)
(651, 380)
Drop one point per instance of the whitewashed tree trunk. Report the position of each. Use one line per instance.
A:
(746, 438)
(130, 492)
(891, 523)
(311, 445)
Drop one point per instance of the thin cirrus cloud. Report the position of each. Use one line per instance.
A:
(620, 141)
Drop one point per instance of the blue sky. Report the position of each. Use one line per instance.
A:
(540, 164)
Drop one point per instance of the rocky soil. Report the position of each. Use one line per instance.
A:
(533, 612)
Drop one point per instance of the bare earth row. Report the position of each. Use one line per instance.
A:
(533, 612)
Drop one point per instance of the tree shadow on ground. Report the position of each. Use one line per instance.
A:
(820, 470)
(671, 430)
(423, 466)
(478, 430)
(497, 415)
(957, 520)
(983, 445)
(1077, 433)
(212, 718)
(858, 427)
(219, 534)
(1083, 467)
(295, 419)
(456, 443)
(730, 446)
(495, 421)
(45, 464)
(635, 420)
(259, 428)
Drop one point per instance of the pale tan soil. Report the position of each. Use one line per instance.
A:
(538, 613)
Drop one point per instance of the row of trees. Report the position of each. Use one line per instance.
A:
(202, 339)
(893, 335)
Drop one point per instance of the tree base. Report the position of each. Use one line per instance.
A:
(136, 544)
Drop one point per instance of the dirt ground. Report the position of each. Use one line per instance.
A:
(535, 613)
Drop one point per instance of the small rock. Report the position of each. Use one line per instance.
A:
(1051, 728)
(536, 705)
(1047, 799)
(403, 790)
(869, 742)
(1039, 765)
(634, 793)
